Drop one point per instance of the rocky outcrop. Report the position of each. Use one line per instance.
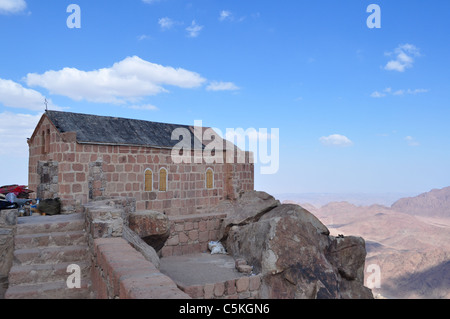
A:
(294, 251)
(152, 226)
(248, 208)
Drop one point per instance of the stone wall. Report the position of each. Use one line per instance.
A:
(48, 175)
(192, 234)
(8, 221)
(246, 287)
(105, 217)
(119, 271)
(88, 171)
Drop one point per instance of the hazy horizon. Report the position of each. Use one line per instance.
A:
(358, 199)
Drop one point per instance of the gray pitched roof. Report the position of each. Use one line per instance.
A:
(115, 130)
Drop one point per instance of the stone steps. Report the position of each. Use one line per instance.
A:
(44, 247)
(50, 255)
(68, 238)
(31, 274)
(50, 224)
(49, 290)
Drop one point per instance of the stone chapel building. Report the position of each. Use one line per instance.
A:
(81, 157)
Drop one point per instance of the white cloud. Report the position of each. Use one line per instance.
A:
(222, 86)
(194, 29)
(225, 15)
(377, 94)
(150, 1)
(14, 95)
(336, 140)
(404, 58)
(145, 107)
(387, 91)
(166, 23)
(411, 141)
(126, 81)
(14, 131)
(12, 6)
(143, 37)
(417, 91)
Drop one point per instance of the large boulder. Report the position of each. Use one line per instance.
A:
(348, 255)
(297, 256)
(152, 226)
(248, 208)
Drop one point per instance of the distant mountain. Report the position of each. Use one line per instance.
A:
(408, 240)
(359, 199)
(435, 203)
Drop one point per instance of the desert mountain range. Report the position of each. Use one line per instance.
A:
(409, 241)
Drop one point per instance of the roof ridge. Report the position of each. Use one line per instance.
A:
(124, 118)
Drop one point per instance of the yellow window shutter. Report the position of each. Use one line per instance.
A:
(209, 179)
(163, 180)
(148, 181)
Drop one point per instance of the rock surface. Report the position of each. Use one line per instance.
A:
(153, 227)
(249, 207)
(435, 203)
(294, 251)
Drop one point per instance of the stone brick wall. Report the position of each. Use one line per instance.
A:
(8, 221)
(192, 234)
(246, 287)
(87, 171)
(48, 176)
(119, 271)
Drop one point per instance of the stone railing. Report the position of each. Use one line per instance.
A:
(119, 271)
(123, 266)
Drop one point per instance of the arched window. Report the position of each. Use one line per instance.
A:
(162, 180)
(47, 142)
(148, 180)
(209, 178)
(43, 143)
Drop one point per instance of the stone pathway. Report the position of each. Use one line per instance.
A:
(199, 269)
(206, 276)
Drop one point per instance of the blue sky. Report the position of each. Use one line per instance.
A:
(358, 109)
